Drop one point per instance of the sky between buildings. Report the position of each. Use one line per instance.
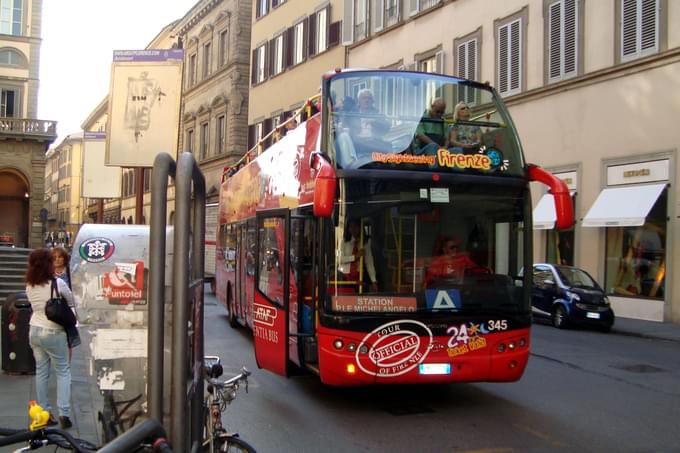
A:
(79, 37)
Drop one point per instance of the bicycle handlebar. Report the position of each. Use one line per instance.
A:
(231, 381)
(46, 434)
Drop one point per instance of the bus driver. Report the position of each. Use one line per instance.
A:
(450, 263)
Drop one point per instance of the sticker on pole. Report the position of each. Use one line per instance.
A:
(96, 250)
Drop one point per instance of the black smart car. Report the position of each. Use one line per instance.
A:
(569, 295)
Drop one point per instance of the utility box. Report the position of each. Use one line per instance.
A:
(17, 355)
(110, 275)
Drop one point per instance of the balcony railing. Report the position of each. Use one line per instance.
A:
(24, 126)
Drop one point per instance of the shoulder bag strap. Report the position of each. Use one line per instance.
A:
(55, 288)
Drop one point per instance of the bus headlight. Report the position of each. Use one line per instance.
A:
(337, 344)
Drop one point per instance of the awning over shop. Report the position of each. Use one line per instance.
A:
(623, 206)
(544, 213)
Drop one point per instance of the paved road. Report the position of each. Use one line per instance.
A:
(582, 391)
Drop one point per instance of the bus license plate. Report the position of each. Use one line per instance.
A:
(435, 368)
(593, 315)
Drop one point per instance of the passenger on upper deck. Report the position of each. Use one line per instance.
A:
(463, 137)
(361, 130)
(431, 133)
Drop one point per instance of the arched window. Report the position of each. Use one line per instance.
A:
(10, 57)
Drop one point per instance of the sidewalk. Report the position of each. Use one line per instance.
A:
(17, 390)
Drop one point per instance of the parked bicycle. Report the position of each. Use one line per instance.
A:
(147, 437)
(219, 394)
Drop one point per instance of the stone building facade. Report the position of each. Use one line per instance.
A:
(24, 139)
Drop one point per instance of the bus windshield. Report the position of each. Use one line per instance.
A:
(416, 121)
(409, 246)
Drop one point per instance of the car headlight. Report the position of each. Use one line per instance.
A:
(605, 300)
(572, 296)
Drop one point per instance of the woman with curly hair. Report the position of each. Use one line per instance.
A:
(48, 339)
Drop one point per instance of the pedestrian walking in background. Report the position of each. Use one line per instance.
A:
(62, 260)
(48, 339)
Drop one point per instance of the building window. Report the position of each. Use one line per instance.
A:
(207, 50)
(224, 47)
(509, 49)
(391, 12)
(360, 19)
(259, 133)
(190, 141)
(192, 70)
(262, 6)
(466, 62)
(298, 49)
(635, 262)
(10, 17)
(321, 30)
(221, 134)
(8, 102)
(639, 28)
(563, 35)
(147, 180)
(425, 4)
(278, 55)
(11, 58)
(204, 140)
(259, 59)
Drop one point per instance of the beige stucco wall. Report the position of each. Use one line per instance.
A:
(292, 87)
(626, 113)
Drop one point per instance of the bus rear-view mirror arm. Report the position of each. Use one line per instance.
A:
(324, 184)
(560, 192)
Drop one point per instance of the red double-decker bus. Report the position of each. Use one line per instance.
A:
(381, 240)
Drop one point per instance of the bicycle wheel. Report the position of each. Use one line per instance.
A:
(235, 444)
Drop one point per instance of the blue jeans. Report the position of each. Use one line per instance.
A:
(50, 345)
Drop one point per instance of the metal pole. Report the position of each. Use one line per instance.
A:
(164, 166)
(198, 264)
(180, 301)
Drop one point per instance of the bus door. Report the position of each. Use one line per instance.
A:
(302, 301)
(241, 270)
(270, 311)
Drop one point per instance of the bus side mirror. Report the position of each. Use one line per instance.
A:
(560, 192)
(324, 185)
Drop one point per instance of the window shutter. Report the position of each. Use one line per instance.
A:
(378, 14)
(289, 44)
(306, 37)
(267, 127)
(649, 36)
(503, 58)
(628, 27)
(251, 136)
(253, 68)
(271, 51)
(348, 23)
(516, 57)
(413, 7)
(439, 62)
(554, 35)
(311, 48)
(570, 37)
(472, 60)
(334, 34)
(461, 52)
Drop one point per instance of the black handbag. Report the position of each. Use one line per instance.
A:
(57, 309)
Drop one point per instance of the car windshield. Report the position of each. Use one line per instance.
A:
(576, 278)
(410, 121)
